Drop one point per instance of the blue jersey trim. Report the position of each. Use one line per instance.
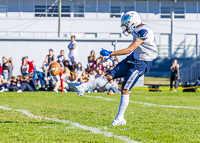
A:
(142, 33)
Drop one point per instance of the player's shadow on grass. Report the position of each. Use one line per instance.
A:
(2, 122)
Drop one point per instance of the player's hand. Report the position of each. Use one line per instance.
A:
(104, 52)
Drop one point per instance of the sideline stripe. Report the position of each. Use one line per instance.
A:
(77, 125)
(148, 104)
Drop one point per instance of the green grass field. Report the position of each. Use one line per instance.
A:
(55, 117)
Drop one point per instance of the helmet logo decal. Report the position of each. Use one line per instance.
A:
(126, 17)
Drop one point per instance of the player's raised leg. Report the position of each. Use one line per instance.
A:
(119, 71)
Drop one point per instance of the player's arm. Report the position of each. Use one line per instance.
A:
(74, 46)
(128, 50)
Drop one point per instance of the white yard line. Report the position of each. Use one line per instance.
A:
(77, 125)
(100, 97)
(147, 104)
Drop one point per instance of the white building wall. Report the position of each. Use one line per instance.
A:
(17, 19)
(37, 49)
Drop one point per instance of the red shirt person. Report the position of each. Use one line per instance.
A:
(31, 66)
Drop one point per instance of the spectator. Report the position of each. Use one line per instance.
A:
(74, 76)
(92, 57)
(34, 66)
(61, 64)
(50, 58)
(108, 63)
(101, 58)
(24, 85)
(98, 64)
(45, 68)
(73, 46)
(57, 83)
(66, 74)
(1, 68)
(24, 67)
(99, 73)
(31, 67)
(112, 86)
(10, 68)
(73, 66)
(175, 76)
(61, 57)
(79, 70)
(113, 58)
(115, 62)
(5, 68)
(13, 84)
(92, 75)
(3, 84)
(84, 77)
(67, 65)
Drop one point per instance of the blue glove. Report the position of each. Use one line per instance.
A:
(104, 52)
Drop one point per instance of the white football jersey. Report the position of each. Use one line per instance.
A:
(147, 51)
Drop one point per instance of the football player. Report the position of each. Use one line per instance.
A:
(142, 51)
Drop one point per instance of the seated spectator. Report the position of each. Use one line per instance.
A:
(1, 68)
(24, 85)
(39, 77)
(112, 86)
(31, 82)
(61, 57)
(99, 73)
(3, 84)
(98, 64)
(57, 82)
(5, 68)
(66, 74)
(46, 74)
(79, 70)
(92, 57)
(13, 85)
(107, 64)
(10, 68)
(67, 65)
(34, 66)
(73, 66)
(24, 67)
(115, 62)
(113, 58)
(50, 58)
(92, 75)
(101, 58)
(88, 70)
(31, 67)
(84, 77)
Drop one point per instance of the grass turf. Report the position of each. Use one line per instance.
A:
(144, 123)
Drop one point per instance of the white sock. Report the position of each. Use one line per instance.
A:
(98, 82)
(122, 106)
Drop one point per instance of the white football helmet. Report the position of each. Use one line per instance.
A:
(129, 22)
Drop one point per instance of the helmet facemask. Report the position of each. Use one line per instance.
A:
(126, 30)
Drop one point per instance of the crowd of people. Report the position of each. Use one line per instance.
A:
(33, 80)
